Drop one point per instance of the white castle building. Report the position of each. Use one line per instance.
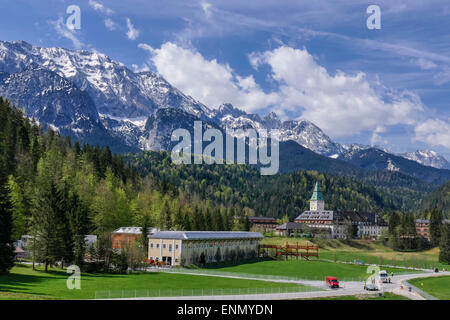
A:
(366, 224)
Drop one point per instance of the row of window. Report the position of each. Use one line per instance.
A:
(164, 246)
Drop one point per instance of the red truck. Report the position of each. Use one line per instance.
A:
(332, 282)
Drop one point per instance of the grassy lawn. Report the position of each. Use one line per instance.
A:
(436, 286)
(372, 252)
(24, 283)
(387, 296)
(312, 270)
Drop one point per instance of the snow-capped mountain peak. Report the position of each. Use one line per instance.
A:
(427, 158)
(115, 89)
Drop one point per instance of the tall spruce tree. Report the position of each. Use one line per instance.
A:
(6, 225)
(48, 242)
(79, 221)
(444, 253)
(436, 217)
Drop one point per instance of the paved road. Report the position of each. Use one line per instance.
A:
(347, 289)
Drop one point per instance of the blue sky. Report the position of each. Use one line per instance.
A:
(312, 60)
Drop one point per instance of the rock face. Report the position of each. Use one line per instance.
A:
(115, 90)
(50, 98)
(160, 126)
(303, 132)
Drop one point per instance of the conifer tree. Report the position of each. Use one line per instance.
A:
(444, 249)
(6, 243)
(435, 226)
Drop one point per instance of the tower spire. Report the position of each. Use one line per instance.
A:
(317, 193)
(317, 203)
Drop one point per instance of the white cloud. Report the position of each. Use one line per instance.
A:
(434, 132)
(340, 104)
(110, 24)
(376, 138)
(206, 7)
(206, 80)
(132, 33)
(424, 64)
(63, 31)
(100, 7)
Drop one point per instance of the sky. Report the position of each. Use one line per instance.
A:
(313, 60)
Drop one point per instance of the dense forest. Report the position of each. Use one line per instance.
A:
(282, 194)
(439, 198)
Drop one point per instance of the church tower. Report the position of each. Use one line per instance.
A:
(316, 202)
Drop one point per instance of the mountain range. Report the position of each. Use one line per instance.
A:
(92, 98)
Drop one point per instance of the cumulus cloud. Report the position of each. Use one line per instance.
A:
(65, 32)
(341, 104)
(132, 32)
(206, 80)
(435, 132)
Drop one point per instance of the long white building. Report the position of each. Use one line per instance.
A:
(191, 247)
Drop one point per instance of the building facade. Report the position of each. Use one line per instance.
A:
(423, 228)
(263, 223)
(126, 236)
(339, 224)
(191, 247)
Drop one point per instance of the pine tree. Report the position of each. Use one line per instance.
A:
(48, 242)
(6, 225)
(444, 253)
(208, 223)
(145, 228)
(178, 218)
(436, 217)
(79, 222)
(166, 219)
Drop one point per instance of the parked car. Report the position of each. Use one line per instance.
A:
(332, 282)
(371, 287)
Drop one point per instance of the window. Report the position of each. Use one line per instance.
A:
(151, 245)
(157, 245)
(170, 247)
(176, 247)
(164, 246)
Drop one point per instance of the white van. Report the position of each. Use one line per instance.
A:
(384, 276)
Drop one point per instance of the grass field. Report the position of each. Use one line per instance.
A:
(436, 286)
(372, 252)
(24, 283)
(312, 270)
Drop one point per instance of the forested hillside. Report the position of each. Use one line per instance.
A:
(440, 198)
(282, 194)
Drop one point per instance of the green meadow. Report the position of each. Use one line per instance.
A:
(24, 283)
(436, 286)
(371, 252)
(311, 270)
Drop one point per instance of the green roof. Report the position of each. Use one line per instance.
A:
(317, 194)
